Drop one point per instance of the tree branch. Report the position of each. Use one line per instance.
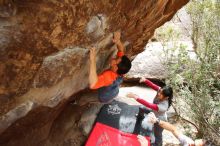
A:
(197, 128)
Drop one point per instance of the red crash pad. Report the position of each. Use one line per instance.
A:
(103, 135)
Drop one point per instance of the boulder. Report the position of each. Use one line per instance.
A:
(149, 63)
(44, 55)
(152, 62)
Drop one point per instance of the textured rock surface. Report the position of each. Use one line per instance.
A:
(44, 54)
(41, 31)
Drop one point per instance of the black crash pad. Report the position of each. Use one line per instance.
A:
(126, 118)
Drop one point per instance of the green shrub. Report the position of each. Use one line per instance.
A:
(197, 81)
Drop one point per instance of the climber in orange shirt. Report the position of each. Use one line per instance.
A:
(108, 82)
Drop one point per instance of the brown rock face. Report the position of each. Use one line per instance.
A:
(44, 51)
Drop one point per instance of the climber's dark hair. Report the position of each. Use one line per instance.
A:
(168, 92)
(124, 66)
